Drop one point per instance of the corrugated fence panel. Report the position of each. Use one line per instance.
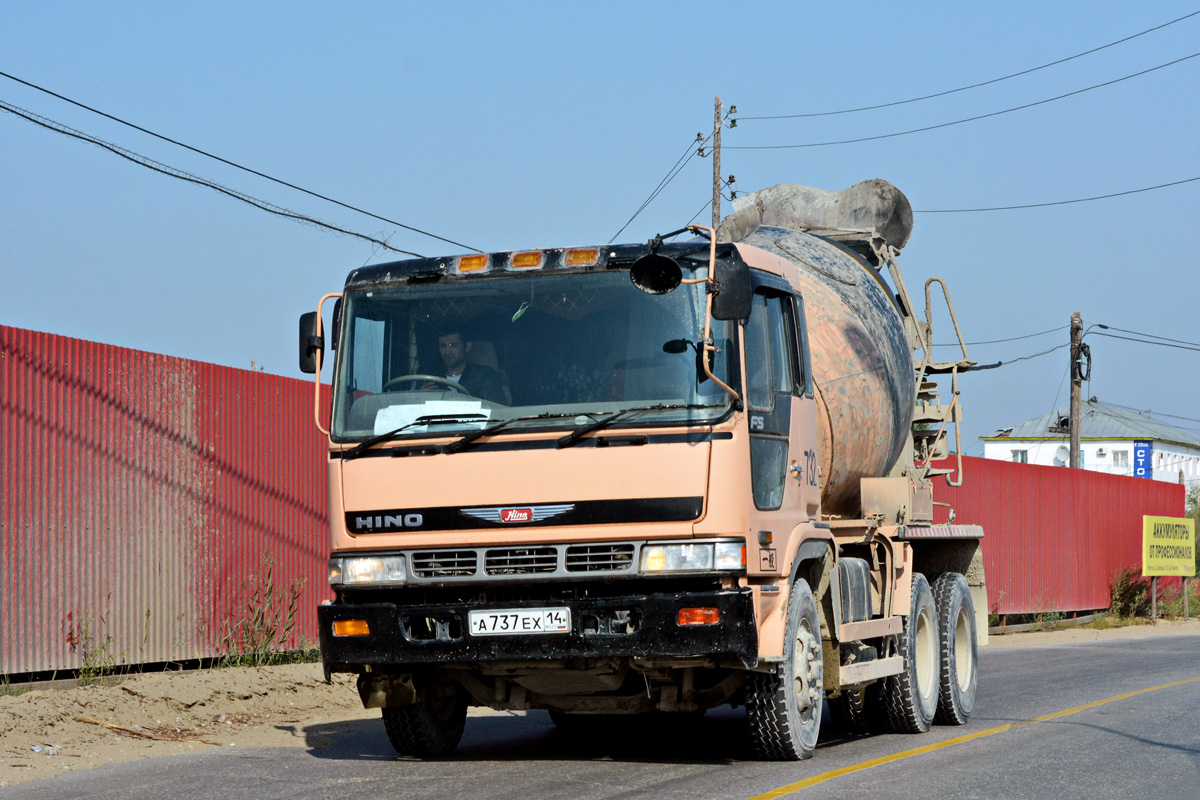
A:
(145, 500)
(1053, 537)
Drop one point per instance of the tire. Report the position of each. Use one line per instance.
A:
(848, 713)
(783, 708)
(858, 712)
(911, 698)
(430, 727)
(958, 649)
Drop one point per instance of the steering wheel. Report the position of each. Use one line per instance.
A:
(449, 384)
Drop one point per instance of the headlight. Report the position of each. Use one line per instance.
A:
(693, 557)
(366, 570)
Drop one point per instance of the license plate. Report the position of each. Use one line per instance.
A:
(520, 621)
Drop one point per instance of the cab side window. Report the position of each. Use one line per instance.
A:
(773, 375)
(758, 355)
(782, 346)
(772, 361)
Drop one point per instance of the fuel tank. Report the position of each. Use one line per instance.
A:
(862, 363)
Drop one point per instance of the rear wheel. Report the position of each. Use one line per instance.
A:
(958, 648)
(911, 698)
(430, 727)
(857, 712)
(783, 707)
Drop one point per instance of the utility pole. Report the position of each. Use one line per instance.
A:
(1076, 423)
(716, 205)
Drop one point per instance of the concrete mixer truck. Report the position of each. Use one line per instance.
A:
(651, 479)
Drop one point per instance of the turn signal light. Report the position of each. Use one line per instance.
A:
(581, 258)
(699, 616)
(351, 627)
(472, 263)
(530, 260)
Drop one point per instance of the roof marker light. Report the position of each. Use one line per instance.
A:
(529, 260)
(472, 263)
(581, 258)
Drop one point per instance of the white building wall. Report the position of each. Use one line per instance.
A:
(1103, 456)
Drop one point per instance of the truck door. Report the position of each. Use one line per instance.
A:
(782, 426)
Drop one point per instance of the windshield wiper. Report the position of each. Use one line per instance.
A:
(459, 444)
(574, 436)
(428, 419)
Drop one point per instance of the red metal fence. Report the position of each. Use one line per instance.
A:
(1054, 537)
(144, 499)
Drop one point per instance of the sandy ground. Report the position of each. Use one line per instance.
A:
(1084, 634)
(287, 706)
(281, 706)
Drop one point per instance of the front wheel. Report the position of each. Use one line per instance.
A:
(911, 698)
(958, 648)
(430, 727)
(783, 707)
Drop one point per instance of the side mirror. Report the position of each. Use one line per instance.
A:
(310, 343)
(732, 302)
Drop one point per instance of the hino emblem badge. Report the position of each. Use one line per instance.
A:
(516, 515)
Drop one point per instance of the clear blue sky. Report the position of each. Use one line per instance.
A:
(537, 124)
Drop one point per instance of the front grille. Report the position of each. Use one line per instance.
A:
(444, 563)
(520, 560)
(527, 562)
(599, 557)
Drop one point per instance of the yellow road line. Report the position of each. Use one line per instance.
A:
(970, 737)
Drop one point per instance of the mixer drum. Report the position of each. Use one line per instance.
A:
(861, 362)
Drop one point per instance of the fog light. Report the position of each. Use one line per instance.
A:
(351, 627)
(699, 616)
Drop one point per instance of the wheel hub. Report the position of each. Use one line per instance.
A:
(808, 673)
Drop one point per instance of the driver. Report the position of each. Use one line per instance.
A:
(477, 380)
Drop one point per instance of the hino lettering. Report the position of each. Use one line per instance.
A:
(388, 522)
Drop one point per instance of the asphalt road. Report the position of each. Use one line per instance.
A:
(1145, 744)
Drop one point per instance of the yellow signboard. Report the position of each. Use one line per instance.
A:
(1168, 546)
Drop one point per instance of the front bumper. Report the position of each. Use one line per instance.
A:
(636, 625)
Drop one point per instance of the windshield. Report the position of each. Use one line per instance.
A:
(569, 348)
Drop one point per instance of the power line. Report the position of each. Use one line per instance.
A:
(961, 121)
(1177, 427)
(983, 83)
(1154, 413)
(1010, 339)
(693, 150)
(1036, 355)
(1143, 341)
(1148, 335)
(166, 169)
(1057, 394)
(662, 183)
(1055, 203)
(980, 367)
(236, 165)
(707, 204)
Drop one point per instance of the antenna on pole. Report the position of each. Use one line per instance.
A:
(716, 204)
